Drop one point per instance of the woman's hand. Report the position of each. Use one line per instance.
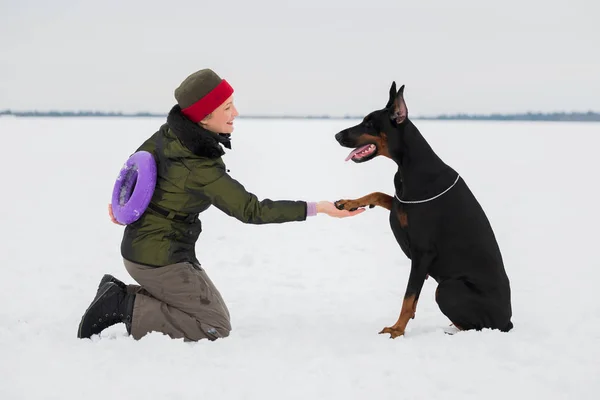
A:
(112, 217)
(327, 207)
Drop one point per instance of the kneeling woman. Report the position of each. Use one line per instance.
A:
(175, 296)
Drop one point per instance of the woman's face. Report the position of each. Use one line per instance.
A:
(221, 120)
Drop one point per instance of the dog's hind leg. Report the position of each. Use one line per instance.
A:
(468, 309)
(371, 200)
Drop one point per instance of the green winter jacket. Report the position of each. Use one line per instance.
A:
(191, 176)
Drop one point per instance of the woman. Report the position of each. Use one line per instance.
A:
(175, 296)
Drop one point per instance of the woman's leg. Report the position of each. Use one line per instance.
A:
(178, 300)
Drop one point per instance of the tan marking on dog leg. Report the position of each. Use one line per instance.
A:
(408, 311)
(371, 200)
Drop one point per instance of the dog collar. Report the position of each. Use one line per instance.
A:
(429, 199)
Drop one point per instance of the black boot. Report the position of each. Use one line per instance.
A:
(110, 278)
(111, 306)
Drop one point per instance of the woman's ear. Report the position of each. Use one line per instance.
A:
(209, 116)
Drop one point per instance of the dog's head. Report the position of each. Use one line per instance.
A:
(378, 133)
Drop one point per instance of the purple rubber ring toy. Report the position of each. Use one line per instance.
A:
(134, 187)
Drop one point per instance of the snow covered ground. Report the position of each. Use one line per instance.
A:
(307, 299)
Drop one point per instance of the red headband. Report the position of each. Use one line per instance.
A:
(209, 103)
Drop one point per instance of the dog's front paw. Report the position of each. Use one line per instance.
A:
(393, 331)
(350, 205)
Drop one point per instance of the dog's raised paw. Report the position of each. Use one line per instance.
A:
(350, 205)
(339, 205)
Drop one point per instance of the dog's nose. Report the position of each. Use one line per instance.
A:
(338, 136)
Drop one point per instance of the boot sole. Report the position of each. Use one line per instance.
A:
(98, 297)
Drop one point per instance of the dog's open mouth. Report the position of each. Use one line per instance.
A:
(362, 153)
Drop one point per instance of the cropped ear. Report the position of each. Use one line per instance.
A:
(392, 95)
(400, 110)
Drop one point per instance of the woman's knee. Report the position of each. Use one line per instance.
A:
(215, 331)
(223, 332)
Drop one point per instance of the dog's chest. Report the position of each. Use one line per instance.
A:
(399, 222)
(402, 218)
(399, 216)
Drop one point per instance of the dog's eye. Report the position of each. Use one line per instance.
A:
(368, 124)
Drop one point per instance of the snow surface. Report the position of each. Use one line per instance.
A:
(308, 298)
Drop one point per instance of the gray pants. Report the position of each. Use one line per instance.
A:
(178, 300)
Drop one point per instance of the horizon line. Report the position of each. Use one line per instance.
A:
(530, 115)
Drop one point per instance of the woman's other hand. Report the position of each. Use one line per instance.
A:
(112, 216)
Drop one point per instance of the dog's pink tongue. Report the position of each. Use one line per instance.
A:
(355, 151)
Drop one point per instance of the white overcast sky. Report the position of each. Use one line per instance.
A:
(333, 57)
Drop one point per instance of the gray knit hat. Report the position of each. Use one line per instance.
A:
(201, 93)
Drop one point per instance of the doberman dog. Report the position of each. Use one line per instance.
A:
(437, 222)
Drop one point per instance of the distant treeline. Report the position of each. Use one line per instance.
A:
(76, 114)
(556, 116)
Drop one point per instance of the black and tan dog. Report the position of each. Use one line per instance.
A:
(437, 222)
